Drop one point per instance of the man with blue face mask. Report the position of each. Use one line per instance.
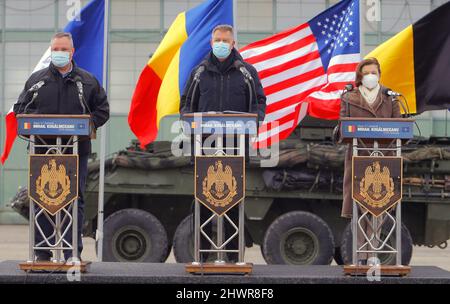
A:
(58, 93)
(223, 78)
(222, 85)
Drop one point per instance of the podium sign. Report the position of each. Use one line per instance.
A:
(53, 181)
(55, 125)
(377, 182)
(207, 123)
(219, 182)
(377, 128)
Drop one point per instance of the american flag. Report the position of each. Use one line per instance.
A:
(304, 69)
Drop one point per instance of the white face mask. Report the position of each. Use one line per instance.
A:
(370, 81)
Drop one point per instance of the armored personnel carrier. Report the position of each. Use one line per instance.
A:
(292, 210)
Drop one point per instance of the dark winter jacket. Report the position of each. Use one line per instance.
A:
(222, 87)
(59, 95)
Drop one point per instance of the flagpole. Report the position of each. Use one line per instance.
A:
(2, 101)
(101, 182)
(361, 30)
(234, 22)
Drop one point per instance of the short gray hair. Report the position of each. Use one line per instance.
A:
(61, 35)
(223, 28)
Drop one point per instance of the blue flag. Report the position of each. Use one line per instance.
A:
(87, 30)
(88, 37)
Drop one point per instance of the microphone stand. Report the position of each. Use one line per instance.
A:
(194, 86)
(250, 92)
(35, 94)
(402, 105)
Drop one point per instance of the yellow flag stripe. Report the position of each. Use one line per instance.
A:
(169, 46)
(396, 57)
(169, 92)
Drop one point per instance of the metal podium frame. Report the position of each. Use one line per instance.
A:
(368, 134)
(60, 216)
(195, 120)
(34, 127)
(374, 222)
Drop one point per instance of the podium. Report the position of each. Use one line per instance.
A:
(219, 179)
(53, 186)
(376, 191)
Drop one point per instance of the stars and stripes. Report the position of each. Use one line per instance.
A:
(304, 69)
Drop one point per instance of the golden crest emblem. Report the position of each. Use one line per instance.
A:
(219, 186)
(219, 182)
(53, 181)
(53, 185)
(377, 182)
(377, 186)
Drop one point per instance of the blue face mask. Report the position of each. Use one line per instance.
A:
(221, 49)
(60, 58)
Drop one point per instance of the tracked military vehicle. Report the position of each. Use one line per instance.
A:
(292, 210)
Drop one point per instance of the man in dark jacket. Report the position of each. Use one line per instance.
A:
(222, 85)
(225, 83)
(59, 94)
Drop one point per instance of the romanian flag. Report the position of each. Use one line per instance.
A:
(416, 62)
(162, 80)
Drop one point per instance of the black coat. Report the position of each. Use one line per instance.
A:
(222, 87)
(60, 96)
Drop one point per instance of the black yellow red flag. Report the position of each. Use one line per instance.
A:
(416, 61)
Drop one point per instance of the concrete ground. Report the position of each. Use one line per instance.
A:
(14, 246)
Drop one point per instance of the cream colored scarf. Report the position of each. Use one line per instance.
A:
(369, 95)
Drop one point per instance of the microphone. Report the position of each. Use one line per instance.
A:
(77, 80)
(195, 83)
(389, 92)
(34, 89)
(348, 87)
(198, 72)
(241, 67)
(36, 86)
(250, 83)
(79, 85)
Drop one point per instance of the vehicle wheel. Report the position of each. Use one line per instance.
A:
(169, 249)
(261, 247)
(385, 258)
(133, 235)
(21, 202)
(183, 241)
(298, 238)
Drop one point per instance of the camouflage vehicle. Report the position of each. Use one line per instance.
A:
(292, 210)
